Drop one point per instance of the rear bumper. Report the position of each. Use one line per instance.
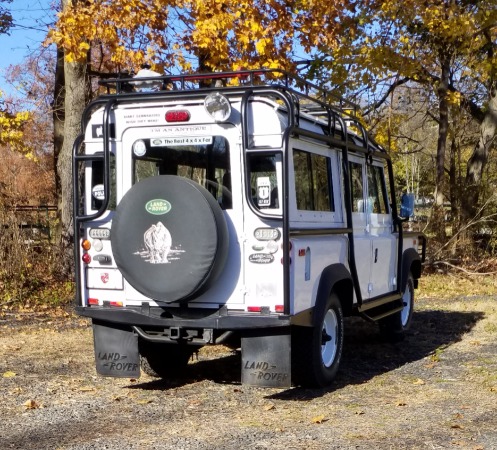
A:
(155, 317)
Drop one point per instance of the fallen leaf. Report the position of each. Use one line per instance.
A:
(9, 374)
(419, 382)
(319, 419)
(31, 404)
(269, 407)
(456, 426)
(401, 404)
(87, 389)
(144, 401)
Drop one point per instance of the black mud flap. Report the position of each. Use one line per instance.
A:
(266, 358)
(116, 351)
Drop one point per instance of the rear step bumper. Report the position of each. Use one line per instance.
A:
(219, 320)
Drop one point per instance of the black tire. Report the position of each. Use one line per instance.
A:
(169, 238)
(317, 351)
(165, 360)
(393, 327)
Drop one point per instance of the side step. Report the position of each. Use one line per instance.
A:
(375, 310)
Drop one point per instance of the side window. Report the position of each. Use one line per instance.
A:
(356, 187)
(312, 181)
(97, 184)
(263, 179)
(377, 194)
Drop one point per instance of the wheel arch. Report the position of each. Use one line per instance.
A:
(411, 262)
(334, 278)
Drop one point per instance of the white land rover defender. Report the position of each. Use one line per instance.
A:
(246, 208)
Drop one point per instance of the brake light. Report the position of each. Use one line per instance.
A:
(115, 303)
(177, 116)
(254, 308)
(93, 301)
(86, 258)
(279, 308)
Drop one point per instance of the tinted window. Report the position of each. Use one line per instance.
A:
(312, 181)
(377, 195)
(356, 187)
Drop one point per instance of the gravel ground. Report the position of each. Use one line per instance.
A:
(435, 390)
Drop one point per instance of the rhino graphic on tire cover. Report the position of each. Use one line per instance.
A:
(158, 242)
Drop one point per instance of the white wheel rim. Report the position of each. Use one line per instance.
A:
(406, 311)
(330, 342)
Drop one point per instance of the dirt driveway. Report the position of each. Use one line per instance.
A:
(436, 390)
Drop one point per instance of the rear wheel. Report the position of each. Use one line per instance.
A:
(164, 360)
(316, 351)
(394, 327)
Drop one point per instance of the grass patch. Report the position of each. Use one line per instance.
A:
(456, 284)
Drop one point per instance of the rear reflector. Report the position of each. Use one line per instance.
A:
(177, 116)
(254, 308)
(279, 308)
(116, 303)
(93, 301)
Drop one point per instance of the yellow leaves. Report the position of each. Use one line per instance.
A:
(319, 419)
(454, 98)
(9, 374)
(11, 130)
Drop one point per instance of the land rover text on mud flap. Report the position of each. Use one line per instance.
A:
(240, 209)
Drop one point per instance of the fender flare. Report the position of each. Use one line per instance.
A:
(331, 276)
(411, 262)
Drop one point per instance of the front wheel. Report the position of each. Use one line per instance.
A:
(316, 351)
(394, 327)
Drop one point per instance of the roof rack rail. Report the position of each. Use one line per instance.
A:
(124, 83)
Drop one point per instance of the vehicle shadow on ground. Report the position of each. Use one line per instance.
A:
(366, 354)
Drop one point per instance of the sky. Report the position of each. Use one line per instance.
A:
(31, 20)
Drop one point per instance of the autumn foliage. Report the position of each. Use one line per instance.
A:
(212, 34)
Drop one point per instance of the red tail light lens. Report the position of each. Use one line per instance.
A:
(177, 116)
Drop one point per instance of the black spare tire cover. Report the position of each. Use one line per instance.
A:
(169, 238)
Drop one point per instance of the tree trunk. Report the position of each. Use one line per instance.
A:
(76, 90)
(438, 218)
(58, 121)
(479, 158)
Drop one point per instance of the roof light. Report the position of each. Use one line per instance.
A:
(147, 80)
(218, 107)
(177, 116)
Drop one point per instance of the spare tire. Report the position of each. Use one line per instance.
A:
(169, 238)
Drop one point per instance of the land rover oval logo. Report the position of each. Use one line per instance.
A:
(158, 207)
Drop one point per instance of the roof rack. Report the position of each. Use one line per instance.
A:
(311, 99)
(124, 83)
